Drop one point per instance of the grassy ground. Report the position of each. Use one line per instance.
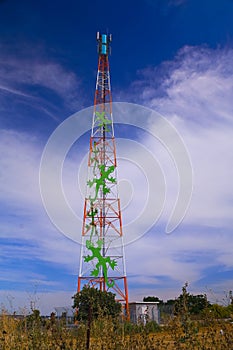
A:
(34, 333)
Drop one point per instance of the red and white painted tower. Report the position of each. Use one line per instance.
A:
(102, 257)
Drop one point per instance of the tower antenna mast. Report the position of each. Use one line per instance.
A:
(102, 257)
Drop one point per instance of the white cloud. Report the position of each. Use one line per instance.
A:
(19, 159)
(197, 86)
(24, 226)
(181, 255)
(195, 94)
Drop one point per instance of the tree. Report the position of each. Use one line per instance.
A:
(193, 304)
(220, 311)
(34, 319)
(151, 299)
(92, 303)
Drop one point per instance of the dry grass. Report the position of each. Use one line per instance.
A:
(34, 333)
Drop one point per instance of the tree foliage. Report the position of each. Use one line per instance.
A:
(194, 304)
(92, 303)
(221, 311)
(34, 319)
(151, 299)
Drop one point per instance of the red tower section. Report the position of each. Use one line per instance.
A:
(102, 257)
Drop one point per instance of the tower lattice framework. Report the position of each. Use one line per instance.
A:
(102, 257)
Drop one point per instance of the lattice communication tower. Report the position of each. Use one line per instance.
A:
(102, 257)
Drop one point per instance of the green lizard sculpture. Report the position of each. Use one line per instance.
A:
(104, 175)
(103, 120)
(92, 213)
(105, 262)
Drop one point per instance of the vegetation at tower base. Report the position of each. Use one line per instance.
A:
(195, 304)
(97, 303)
(206, 331)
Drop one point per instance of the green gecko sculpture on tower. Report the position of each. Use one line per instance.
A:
(105, 262)
(92, 213)
(103, 120)
(105, 175)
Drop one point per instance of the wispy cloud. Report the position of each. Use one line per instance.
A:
(197, 85)
(33, 80)
(163, 6)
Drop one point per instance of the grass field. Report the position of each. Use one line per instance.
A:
(34, 333)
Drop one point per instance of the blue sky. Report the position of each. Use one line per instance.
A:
(173, 56)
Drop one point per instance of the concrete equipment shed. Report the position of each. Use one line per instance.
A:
(143, 312)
